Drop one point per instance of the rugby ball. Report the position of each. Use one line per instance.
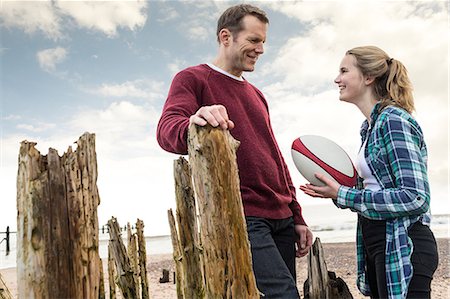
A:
(316, 154)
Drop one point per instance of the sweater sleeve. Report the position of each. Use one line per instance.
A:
(294, 205)
(409, 194)
(181, 103)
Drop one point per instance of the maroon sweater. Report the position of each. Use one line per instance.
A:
(266, 187)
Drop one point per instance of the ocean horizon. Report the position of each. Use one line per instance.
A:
(337, 228)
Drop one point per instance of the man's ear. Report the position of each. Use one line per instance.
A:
(225, 36)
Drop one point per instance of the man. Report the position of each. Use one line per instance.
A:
(218, 95)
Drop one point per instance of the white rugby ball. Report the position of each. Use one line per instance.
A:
(316, 154)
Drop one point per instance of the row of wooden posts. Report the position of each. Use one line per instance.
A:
(57, 233)
(7, 238)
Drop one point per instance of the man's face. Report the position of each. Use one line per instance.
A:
(246, 46)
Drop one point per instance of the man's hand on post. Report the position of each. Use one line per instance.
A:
(215, 115)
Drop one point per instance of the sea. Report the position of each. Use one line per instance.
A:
(329, 224)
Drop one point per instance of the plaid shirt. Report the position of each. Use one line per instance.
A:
(397, 156)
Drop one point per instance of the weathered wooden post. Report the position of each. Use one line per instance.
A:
(226, 249)
(176, 254)
(57, 225)
(321, 283)
(142, 255)
(193, 282)
(7, 240)
(4, 291)
(111, 273)
(125, 274)
(133, 254)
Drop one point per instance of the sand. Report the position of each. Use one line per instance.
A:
(340, 258)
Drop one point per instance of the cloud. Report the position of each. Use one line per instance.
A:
(40, 127)
(53, 18)
(198, 33)
(304, 100)
(105, 16)
(177, 65)
(31, 16)
(49, 58)
(310, 60)
(128, 157)
(11, 117)
(144, 89)
(168, 14)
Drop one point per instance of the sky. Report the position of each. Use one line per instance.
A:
(69, 67)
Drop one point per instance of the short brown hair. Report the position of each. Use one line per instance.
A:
(232, 17)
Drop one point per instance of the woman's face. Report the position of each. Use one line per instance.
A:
(351, 81)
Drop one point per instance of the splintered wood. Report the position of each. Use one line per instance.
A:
(220, 260)
(127, 269)
(4, 291)
(57, 225)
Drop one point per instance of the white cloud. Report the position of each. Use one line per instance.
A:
(49, 58)
(52, 18)
(31, 16)
(304, 99)
(105, 16)
(310, 60)
(198, 33)
(176, 66)
(40, 127)
(168, 14)
(11, 117)
(132, 89)
(133, 170)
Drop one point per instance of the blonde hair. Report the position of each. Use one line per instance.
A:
(392, 85)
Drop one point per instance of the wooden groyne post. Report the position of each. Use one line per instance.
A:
(57, 225)
(321, 283)
(123, 268)
(226, 253)
(177, 256)
(127, 269)
(7, 240)
(193, 285)
(4, 291)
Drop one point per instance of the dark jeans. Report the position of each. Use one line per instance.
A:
(424, 258)
(273, 255)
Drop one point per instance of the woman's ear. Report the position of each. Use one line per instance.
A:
(369, 80)
(224, 36)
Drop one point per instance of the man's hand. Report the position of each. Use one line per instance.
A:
(215, 115)
(304, 241)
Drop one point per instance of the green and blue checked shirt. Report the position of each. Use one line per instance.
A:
(397, 156)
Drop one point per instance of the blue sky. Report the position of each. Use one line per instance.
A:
(105, 67)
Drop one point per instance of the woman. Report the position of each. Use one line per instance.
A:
(396, 250)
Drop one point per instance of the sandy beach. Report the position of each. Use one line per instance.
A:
(340, 258)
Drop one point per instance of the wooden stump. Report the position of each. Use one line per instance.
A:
(176, 254)
(142, 259)
(226, 249)
(4, 292)
(133, 255)
(321, 283)
(125, 274)
(193, 283)
(111, 273)
(57, 225)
